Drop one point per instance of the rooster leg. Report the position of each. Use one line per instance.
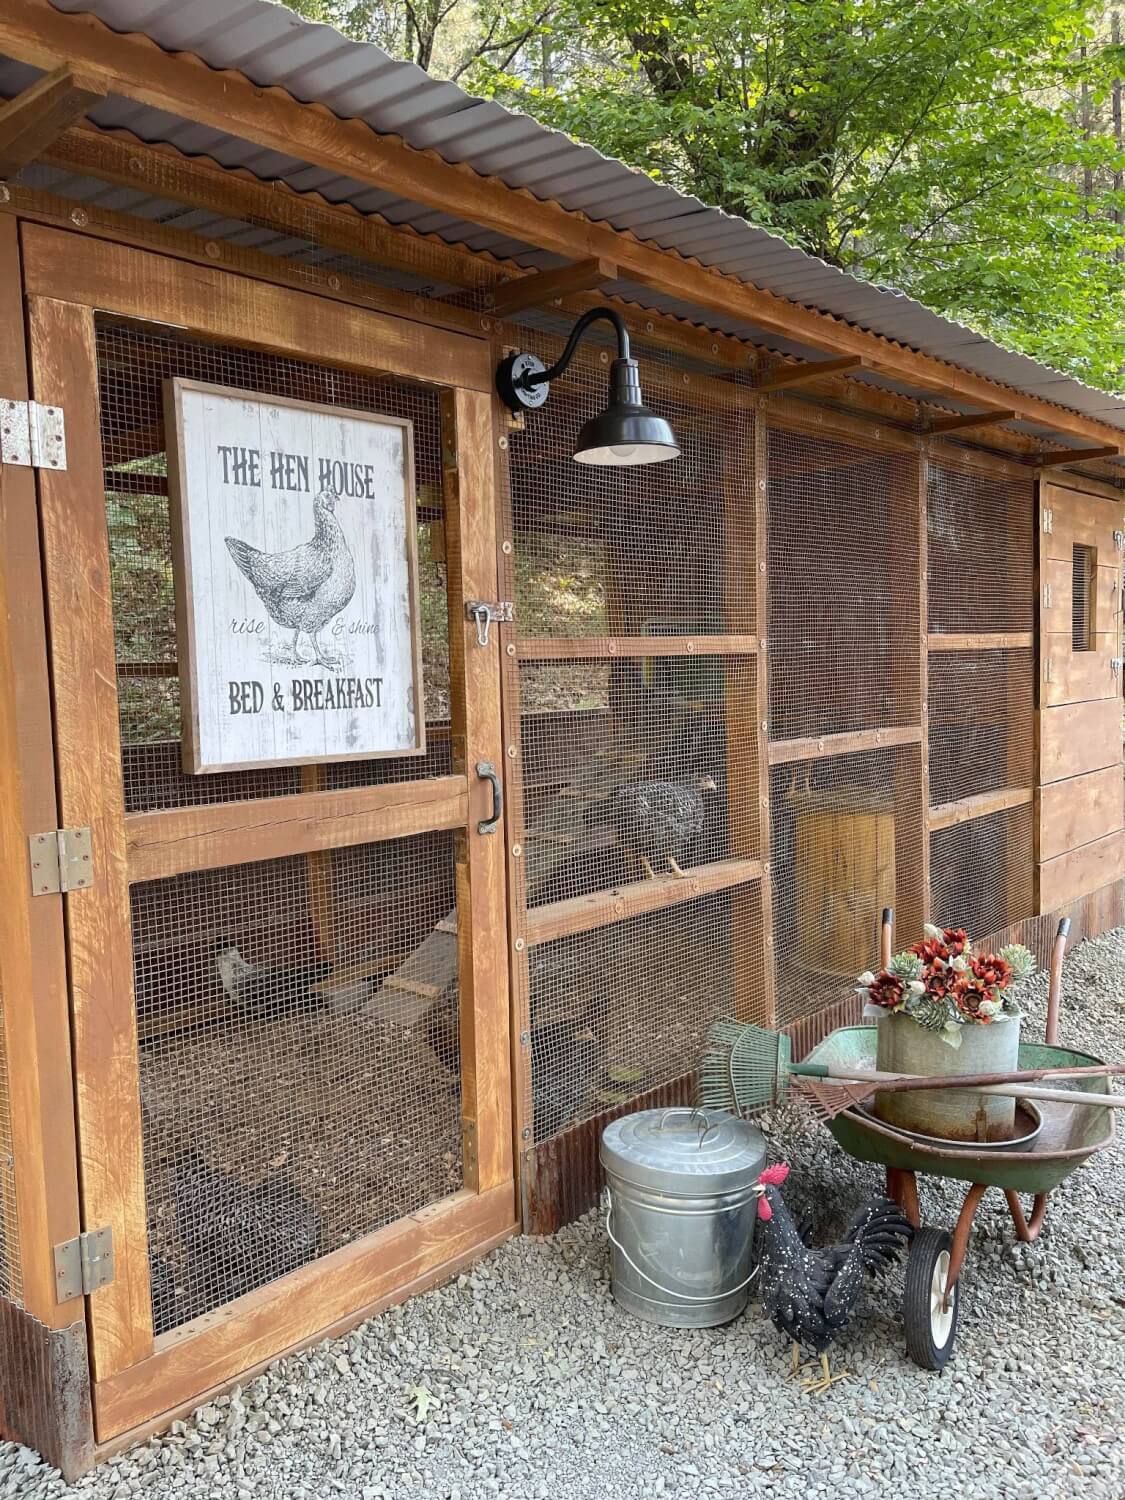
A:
(676, 871)
(646, 863)
(795, 1367)
(322, 658)
(827, 1379)
(296, 653)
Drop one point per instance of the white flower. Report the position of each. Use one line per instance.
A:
(933, 932)
(990, 1007)
(866, 978)
(916, 987)
(951, 1034)
(960, 964)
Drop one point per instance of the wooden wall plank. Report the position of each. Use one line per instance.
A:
(1077, 516)
(232, 833)
(72, 505)
(373, 1273)
(1080, 810)
(1070, 676)
(136, 283)
(1079, 737)
(1069, 876)
(471, 543)
(32, 954)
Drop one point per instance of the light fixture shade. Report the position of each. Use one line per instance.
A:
(626, 433)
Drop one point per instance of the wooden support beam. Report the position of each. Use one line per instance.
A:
(1058, 458)
(961, 421)
(600, 908)
(1016, 640)
(800, 374)
(781, 752)
(551, 286)
(946, 814)
(32, 31)
(592, 647)
(38, 116)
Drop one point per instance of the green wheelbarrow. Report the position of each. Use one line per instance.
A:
(1069, 1134)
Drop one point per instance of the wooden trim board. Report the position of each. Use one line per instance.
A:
(1071, 875)
(1080, 811)
(1078, 737)
(781, 752)
(204, 837)
(947, 814)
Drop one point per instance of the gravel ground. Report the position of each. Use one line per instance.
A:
(524, 1379)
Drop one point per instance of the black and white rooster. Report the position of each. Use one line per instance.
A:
(265, 990)
(658, 821)
(809, 1293)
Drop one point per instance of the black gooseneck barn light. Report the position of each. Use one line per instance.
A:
(626, 432)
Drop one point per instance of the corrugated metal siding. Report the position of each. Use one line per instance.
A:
(273, 46)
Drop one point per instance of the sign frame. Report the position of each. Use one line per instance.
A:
(184, 582)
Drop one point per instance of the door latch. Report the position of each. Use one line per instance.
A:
(484, 613)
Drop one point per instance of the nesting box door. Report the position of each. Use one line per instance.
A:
(289, 1003)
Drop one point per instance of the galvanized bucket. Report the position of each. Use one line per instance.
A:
(681, 1213)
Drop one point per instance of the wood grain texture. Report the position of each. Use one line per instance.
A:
(34, 118)
(556, 919)
(72, 506)
(791, 375)
(371, 1274)
(550, 286)
(767, 965)
(1080, 516)
(982, 641)
(116, 278)
(33, 983)
(471, 542)
(1079, 737)
(1069, 876)
(965, 809)
(32, 31)
(205, 837)
(1078, 676)
(1080, 810)
(962, 421)
(1057, 575)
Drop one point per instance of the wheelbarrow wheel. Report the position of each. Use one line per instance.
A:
(930, 1317)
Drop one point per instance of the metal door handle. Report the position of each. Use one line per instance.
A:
(487, 772)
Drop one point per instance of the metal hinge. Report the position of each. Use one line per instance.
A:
(1048, 520)
(1119, 540)
(62, 860)
(1046, 669)
(1046, 596)
(84, 1264)
(31, 435)
(1115, 665)
(486, 612)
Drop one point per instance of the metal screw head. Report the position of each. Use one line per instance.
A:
(525, 1037)
(512, 752)
(486, 324)
(510, 648)
(212, 249)
(517, 850)
(80, 217)
(506, 548)
(5, 194)
(525, 1133)
(520, 944)
(503, 443)
(334, 283)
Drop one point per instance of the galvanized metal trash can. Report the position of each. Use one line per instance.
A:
(681, 1213)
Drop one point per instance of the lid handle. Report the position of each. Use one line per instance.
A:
(695, 1113)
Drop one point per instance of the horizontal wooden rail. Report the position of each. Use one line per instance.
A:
(946, 814)
(783, 751)
(600, 908)
(984, 641)
(237, 833)
(579, 648)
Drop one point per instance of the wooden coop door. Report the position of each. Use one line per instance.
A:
(290, 1020)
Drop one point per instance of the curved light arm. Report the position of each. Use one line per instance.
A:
(544, 377)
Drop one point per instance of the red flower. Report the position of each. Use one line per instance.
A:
(929, 949)
(968, 999)
(886, 991)
(956, 940)
(991, 970)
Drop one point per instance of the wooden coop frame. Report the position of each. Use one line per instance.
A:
(844, 781)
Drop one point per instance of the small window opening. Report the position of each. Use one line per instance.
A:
(1084, 574)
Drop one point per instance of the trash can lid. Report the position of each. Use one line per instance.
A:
(705, 1150)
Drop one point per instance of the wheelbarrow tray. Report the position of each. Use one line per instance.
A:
(1070, 1132)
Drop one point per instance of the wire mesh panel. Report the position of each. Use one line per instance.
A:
(618, 1011)
(300, 1062)
(631, 551)
(980, 529)
(133, 363)
(846, 835)
(11, 1280)
(632, 768)
(982, 722)
(982, 872)
(843, 586)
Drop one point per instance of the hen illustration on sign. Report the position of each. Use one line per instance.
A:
(296, 580)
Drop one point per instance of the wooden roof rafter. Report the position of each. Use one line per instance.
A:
(31, 121)
(33, 32)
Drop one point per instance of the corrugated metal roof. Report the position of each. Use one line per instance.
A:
(273, 46)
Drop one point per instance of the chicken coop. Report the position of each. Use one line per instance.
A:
(398, 776)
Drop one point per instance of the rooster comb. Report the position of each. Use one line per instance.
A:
(774, 1176)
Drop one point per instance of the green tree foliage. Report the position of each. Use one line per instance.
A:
(968, 153)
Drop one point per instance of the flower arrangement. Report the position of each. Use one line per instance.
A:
(943, 985)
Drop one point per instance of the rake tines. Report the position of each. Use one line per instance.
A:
(829, 1099)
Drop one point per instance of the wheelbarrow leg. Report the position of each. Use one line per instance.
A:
(902, 1187)
(1027, 1229)
(961, 1231)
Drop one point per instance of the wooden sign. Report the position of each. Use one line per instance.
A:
(295, 561)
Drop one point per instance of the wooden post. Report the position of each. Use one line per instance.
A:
(767, 967)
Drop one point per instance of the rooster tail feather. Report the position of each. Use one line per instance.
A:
(882, 1231)
(242, 552)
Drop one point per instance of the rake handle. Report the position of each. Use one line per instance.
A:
(908, 1081)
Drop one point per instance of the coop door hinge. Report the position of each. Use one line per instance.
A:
(1046, 596)
(61, 860)
(1046, 669)
(1048, 521)
(31, 435)
(84, 1264)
